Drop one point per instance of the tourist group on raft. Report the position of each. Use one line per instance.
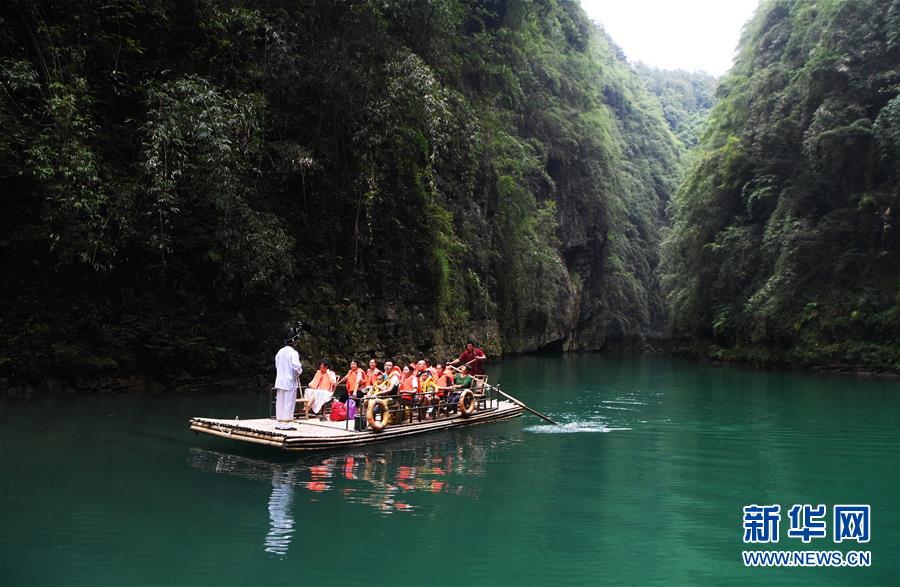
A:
(430, 389)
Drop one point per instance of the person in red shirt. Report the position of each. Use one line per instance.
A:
(473, 358)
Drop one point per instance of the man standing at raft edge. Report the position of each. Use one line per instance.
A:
(472, 357)
(287, 379)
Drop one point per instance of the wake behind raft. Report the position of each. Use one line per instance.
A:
(376, 420)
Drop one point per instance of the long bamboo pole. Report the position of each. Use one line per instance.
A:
(514, 400)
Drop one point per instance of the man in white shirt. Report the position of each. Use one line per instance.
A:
(287, 380)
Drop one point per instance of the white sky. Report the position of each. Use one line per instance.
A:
(675, 34)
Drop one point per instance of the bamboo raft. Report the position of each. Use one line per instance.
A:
(313, 435)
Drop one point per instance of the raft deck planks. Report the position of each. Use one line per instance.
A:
(319, 435)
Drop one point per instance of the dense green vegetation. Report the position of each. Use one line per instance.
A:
(180, 179)
(785, 244)
(685, 96)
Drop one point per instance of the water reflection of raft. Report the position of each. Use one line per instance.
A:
(319, 435)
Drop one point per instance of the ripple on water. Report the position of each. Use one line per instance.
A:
(573, 427)
(628, 402)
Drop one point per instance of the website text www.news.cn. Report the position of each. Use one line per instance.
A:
(806, 558)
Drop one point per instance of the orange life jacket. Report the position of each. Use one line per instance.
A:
(353, 378)
(321, 381)
(444, 381)
(372, 376)
(406, 385)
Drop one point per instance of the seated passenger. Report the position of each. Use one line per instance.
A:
(462, 381)
(372, 390)
(354, 379)
(320, 388)
(432, 370)
(392, 376)
(388, 387)
(372, 375)
(409, 388)
(427, 383)
(444, 381)
(423, 367)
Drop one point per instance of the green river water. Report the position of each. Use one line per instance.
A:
(643, 484)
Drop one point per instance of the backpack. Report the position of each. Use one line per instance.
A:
(338, 412)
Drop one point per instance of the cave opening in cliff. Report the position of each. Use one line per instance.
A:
(552, 347)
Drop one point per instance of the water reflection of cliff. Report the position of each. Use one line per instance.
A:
(386, 479)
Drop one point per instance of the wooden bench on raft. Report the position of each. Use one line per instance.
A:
(302, 401)
(478, 390)
(300, 407)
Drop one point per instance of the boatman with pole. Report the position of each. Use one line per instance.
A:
(472, 357)
(287, 379)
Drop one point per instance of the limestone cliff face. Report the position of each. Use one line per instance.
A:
(555, 238)
(401, 176)
(784, 245)
(611, 199)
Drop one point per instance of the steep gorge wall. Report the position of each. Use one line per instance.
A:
(785, 246)
(182, 179)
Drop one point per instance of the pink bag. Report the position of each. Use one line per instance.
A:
(351, 408)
